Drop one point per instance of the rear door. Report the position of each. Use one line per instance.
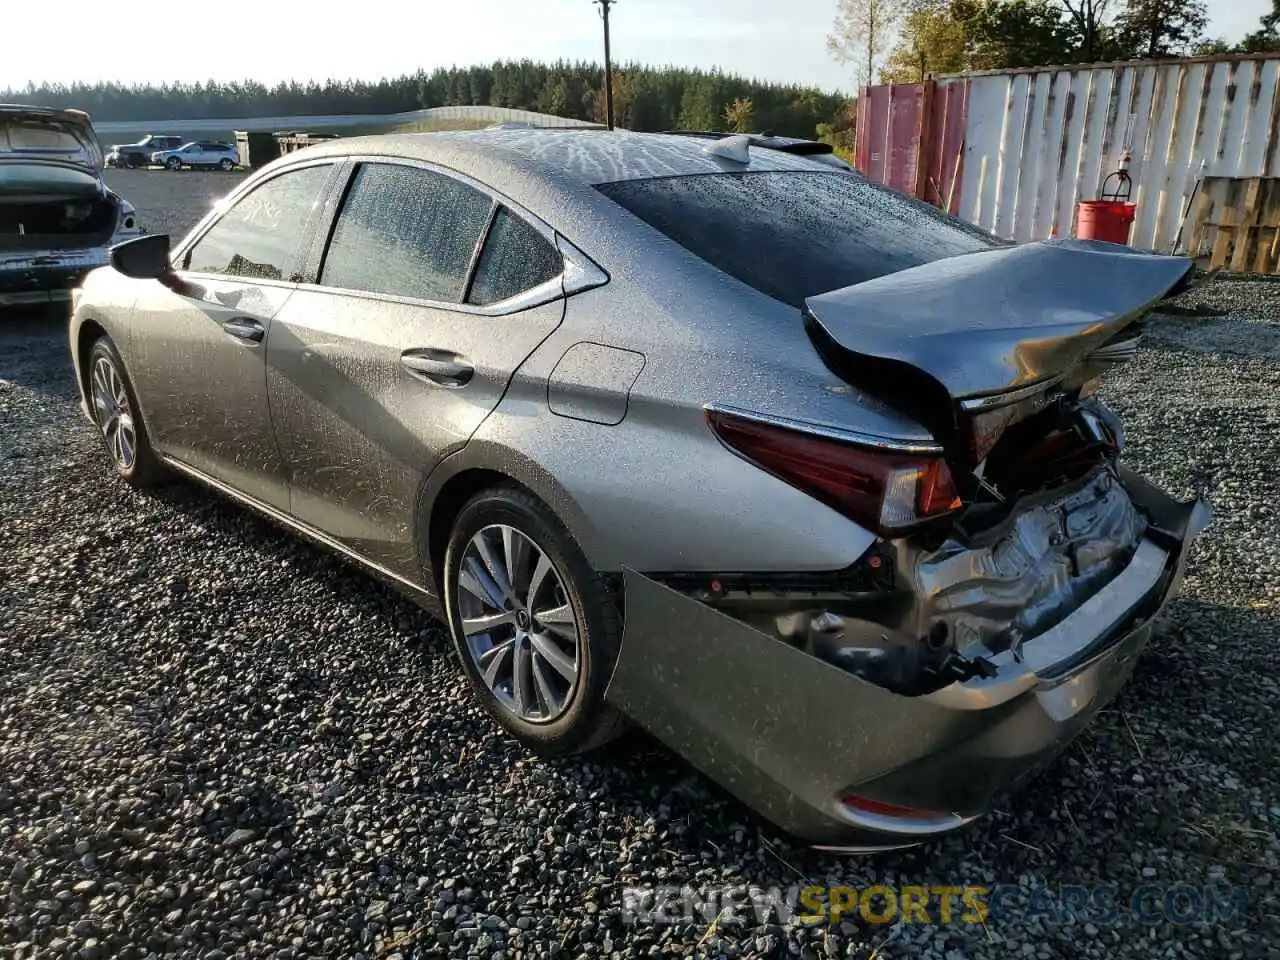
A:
(431, 293)
(198, 359)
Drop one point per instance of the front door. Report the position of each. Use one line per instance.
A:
(406, 344)
(200, 367)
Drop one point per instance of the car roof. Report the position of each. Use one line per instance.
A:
(570, 157)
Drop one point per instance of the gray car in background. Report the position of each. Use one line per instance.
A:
(139, 154)
(199, 155)
(801, 475)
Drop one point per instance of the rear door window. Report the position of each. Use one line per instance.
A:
(795, 234)
(266, 233)
(406, 232)
(516, 258)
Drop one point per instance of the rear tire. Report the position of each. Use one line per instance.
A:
(542, 667)
(116, 412)
(226, 165)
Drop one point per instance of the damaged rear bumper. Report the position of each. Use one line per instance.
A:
(790, 735)
(46, 277)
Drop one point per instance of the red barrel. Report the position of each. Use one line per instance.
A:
(1108, 220)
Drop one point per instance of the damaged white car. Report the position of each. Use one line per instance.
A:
(58, 218)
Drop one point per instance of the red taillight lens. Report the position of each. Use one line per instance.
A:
(887, 492)
(881, 809)
(990, 418)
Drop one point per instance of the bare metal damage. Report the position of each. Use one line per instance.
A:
(993, 591)
(789, 733)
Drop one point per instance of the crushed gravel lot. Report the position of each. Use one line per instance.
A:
(216, 741)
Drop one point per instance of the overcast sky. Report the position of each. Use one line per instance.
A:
(270, 40)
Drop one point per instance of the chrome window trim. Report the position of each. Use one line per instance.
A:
(832, 432)
(547, 292)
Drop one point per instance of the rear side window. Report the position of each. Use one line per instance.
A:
(406, 232)
(263, 235)
(516, 258)
(796, 234)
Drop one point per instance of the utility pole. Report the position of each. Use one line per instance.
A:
(608, 67)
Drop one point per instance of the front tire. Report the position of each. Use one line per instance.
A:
(534, 626)
(173, 163)
(119, 419)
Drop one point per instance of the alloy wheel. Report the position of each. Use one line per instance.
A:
(114, 415)
(517, 624)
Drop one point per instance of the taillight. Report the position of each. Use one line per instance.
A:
(990, 417)
(878, 808)
(888, 492)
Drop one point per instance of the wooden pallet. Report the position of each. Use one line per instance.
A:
(1236, 222)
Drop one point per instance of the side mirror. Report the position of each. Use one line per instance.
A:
(147, 258)
(143, 258)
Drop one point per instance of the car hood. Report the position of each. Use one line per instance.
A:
(997, 320)
(45, 134)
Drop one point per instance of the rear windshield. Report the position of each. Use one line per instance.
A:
(795, 234)
(36, 137)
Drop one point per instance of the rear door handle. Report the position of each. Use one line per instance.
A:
(438, 366)
(244, 328)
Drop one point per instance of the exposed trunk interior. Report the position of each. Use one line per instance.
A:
(56, 225)
(53, 206)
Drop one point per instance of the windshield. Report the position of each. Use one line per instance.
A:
(795, 234)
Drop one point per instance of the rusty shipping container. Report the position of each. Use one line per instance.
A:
(1023, 147)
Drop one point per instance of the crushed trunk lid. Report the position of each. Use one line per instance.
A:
(965, 332)
(50, 135)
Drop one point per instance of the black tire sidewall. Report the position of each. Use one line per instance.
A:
(599, 640)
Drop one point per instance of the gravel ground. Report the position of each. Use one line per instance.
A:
(220, 742)
(172, 201)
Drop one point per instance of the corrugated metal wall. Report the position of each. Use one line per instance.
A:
(889, 152)
(1037, 142)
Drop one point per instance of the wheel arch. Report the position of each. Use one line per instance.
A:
(90, 332)
(445, 507)
(479, 466)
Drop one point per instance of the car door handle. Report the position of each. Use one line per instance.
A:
(438, 366)
(243, 328)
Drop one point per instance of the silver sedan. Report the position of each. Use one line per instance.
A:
(702, 434)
